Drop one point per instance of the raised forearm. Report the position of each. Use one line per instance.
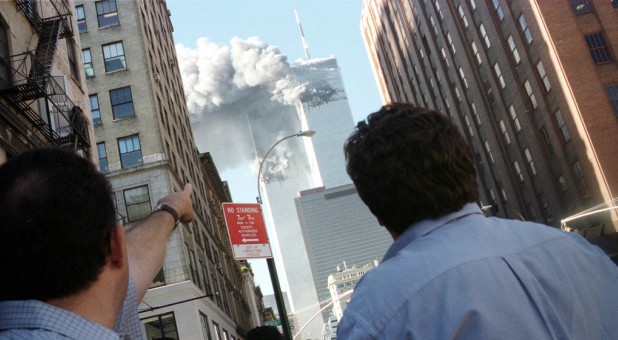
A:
(147, 242)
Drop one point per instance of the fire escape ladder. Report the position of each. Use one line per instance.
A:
(37, 95)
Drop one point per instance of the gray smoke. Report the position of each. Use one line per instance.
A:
(238, 91)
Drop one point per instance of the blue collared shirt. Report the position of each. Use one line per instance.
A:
(32, 319)
(466, 276)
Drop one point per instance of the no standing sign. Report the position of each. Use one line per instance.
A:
(245, 225)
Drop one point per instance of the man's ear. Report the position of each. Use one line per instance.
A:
(118, 248)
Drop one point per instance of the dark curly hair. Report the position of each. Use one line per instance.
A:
(410, 163)
(56, 217)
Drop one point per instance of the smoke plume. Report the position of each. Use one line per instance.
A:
(241, 99)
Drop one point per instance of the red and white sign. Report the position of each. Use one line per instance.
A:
(247, 230)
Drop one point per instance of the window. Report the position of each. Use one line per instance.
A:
(114, 57)
(475, 113)
(476, 53)
(505, 133)
(107, 13)
(195, 277)
(463, 77)
(122, 102)
(444, 57)
(484, 35)
(72, 58)
(545, 208)
(498, 9)
(450, 41)
(614, 3)
(130, 151)
(563, 183)
(598, 48)
(81, 19)
(469, 125)
(562, 126)
(463, 16)
(524, 28)
(87, 59)
(207, 287)
(205, 328)
(612, 94)
(513, 49)
(5, 59)
(94, 109)
(433, 24)
(161, 326)
(502, 191)
(531, 96)
(530, 161)
(499, 75)
(520, 175)
(103, 166)
(488, 150)
(438, 9)
(580, 7)
(579, 176)
(137, 201)
(514, 118)
(217, 329)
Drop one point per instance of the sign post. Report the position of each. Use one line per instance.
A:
(247, 230)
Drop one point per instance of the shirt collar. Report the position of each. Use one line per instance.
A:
(424, 227)
(33, 314)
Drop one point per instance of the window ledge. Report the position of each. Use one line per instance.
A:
(110, 26)
(117, 71)
(123, 118)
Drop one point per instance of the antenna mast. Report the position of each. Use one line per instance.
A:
(302, 35)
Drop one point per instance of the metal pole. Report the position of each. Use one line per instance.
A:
(272, 269)
(283, 315)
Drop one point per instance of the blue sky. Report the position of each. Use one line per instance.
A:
(330, 28)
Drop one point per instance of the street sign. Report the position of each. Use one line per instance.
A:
(245, 225)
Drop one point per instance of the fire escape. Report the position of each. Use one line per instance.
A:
(37, 95)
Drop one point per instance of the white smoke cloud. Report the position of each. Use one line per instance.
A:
(238, 91)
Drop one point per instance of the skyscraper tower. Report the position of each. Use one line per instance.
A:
(146, 148)
(532, 84)
(320, 161)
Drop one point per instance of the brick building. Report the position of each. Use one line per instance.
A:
(533, 85)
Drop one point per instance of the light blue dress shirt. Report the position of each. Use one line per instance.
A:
(32, 319)
(466, 276)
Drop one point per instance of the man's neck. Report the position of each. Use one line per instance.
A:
(92, 304)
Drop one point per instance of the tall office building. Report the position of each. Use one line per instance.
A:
(320, 160)
(533, 85)
(146, 148)
(42, 86)
(324, 108)
(338, 228)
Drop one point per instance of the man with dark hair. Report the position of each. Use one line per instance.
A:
(68, 269)
(452, 272)
(264, 333)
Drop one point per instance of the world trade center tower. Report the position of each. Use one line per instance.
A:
(317, 161)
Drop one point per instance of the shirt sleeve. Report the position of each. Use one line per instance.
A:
(128, 325)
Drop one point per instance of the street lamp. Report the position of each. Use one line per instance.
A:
(306, 133)
(272, 269)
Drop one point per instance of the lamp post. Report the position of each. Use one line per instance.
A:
(272, 269)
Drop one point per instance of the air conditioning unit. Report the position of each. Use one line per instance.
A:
(156, 77)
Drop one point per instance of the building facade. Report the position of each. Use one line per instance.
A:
(254, 294)
(342, 282)
(533, 85)
(145, 146)
(42, 87)
(338, 228)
